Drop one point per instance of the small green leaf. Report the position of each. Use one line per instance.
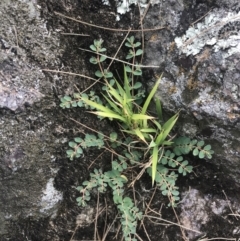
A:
(93, 60)
(189, 168)
(200, 143)
(131, 39)
(164, 161)
(70, 152)
(194, 142)
(108, 74)
(184, 163)
(175, 192)
(201, 154)
(139, 52)
(99, 74)
(67, 98)
(102, 50)
(179, 159)
(113, 136)
(128, 69)
(128, 45)
(72, 144)
(78, 139)
(62, 105)
(195, 152)
(137, 72)
(74, 104)
(137, 44)
(80, 103)
(79, 150)
(102, 58)
(165, 192)
(137, 85)
(93, 48)
(207, 148)
(129, 56)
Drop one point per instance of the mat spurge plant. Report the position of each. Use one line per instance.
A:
(144, 140)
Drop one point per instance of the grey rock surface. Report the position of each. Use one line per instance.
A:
(199, 55)
(27, 151)
(197, 210)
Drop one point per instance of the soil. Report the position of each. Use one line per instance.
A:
(207, 178)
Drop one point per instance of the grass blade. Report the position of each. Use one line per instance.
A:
(154, 163)
(97, 106)
(141, 117)
(126, 84)
(113, 105)
(150, 96)
(158, 108)
(167, 127)
(109, 115)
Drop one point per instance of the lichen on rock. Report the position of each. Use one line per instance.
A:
(219, 29)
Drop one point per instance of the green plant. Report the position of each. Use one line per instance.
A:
(146, 142)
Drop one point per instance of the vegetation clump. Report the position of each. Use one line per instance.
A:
(144, 140)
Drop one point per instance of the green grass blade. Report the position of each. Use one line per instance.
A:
(113, 92)
(154, 163)
(109, 115)
(120, 89)
(148, 130)
(158, 108)
(167, 127)
(97, 106)
(141, 117)
(113, 105)
(159, 138)
(126, 84)
(150, 96)
(139, 134)
(158, 125)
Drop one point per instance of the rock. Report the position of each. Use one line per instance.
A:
(199, 54)
(198, 211)
(27, 157)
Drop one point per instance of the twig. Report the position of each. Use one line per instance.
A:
(206, 239)
(141, 23)
(109, 227)
(69, 73)
(15, 31)
(141, 66)
(96, 219)
(105, 28)
(76, 34)
(96, 159)
(169, 222)
(201, 17)
(228, 202)
(149, 203)
(114, 58)
(145, 11)
(182, 231)
(146, 232)
(138, 236)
